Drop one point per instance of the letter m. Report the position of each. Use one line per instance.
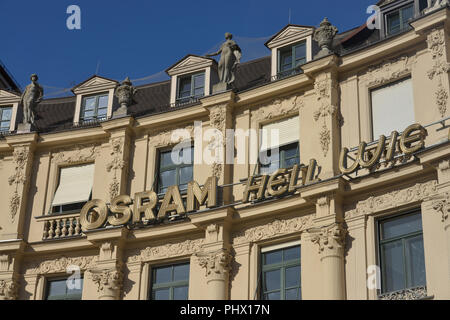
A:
(197, 196)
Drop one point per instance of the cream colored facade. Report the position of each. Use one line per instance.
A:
(334, 220)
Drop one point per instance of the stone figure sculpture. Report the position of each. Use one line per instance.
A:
(124, 93)
(31, 96)
(324, 35)
(229, 59)
(436, 5)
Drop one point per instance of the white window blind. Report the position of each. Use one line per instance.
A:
(287, 130)
(75, 185)
(392, 108)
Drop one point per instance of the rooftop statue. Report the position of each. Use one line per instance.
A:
(436, 5)
(229, 59)
(31, 96)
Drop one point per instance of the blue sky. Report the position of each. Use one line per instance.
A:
(141, 38)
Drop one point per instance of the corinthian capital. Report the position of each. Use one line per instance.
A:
(329, 239)
(8, 290)
(109, 283)
(217, 264)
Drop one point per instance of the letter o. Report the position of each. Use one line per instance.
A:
(101, 214)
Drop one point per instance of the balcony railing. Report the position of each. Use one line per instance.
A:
(62, 227)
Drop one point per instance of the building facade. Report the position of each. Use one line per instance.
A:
(349, 200)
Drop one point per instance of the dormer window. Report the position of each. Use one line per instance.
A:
(290, 58)
(95, 107)
(397, 20)
(191, 87)
(5, 118)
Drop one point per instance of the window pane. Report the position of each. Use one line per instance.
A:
(75, 291)
(168, 178)
(185, 87)
(186, 175)
(286, 60)
(103, 101)
(293, 294)
(199, 92)
(272, 296)
(181, 293)
(90, 103)
(273, 257)
(88, 114)
(6, 114)
(5, 125)
(181, 272)
(300, 54)
(292, 278)
(199, 81)
(102, 112)
(292, 254)
(401, 226)
(166, 159)
(163, 275)
(57, 288)
(393, 268)
(161, 294)
(407, 14)
(272, 280)
(416, 262)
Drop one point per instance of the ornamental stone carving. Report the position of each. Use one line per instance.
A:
(418, 293)
(329, 239)
(20, 161)
(272, 229)
(325, 139)
(159, 139)
(8, 290)
(60, 265)
(109, 283)
(393, 199)
(324, 35)
(388, 71)
(277, 108)
(77, 154)
(438, 4)
(176, 249)
(217, 265)
(124, 93)
(442, 206)
(217, 118)
(116, 164)
(436, 46)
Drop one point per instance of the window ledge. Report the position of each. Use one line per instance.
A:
(418, 293)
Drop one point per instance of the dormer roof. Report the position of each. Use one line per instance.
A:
(190, 63)
(289, 34)
(8, 96)
(94, 83)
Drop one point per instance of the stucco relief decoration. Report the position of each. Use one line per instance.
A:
(277, 108)
(187, 247)
(436, 45)
(159, 139)
(20, 158)
(217, 117)
(8, 290)
(388, 71)
(116, 164)
(393, 199)
(272, 229)
(60, 265)
(330, 238)
(442, 206)
(216, 264)
(77, 154)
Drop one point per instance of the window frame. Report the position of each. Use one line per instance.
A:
(402, 25)
(168, 285)
(96, 108)
(380, 243)
(293, 49)
(192, 96)
(48, 280)
(282, 154)
(2, 108)
(171, 167)
(282, 267)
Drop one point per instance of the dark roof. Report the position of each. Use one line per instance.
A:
(7, 81)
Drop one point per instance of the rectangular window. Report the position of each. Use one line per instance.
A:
(281, 274)
(64, 290)
(175, 172)
(191, 88)
(392, 108)
(397, 20)
(281, 136)
(95, 108)
(290, 58)
(5, 118)
(170, 282)
(401, 252)
(74, 189)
